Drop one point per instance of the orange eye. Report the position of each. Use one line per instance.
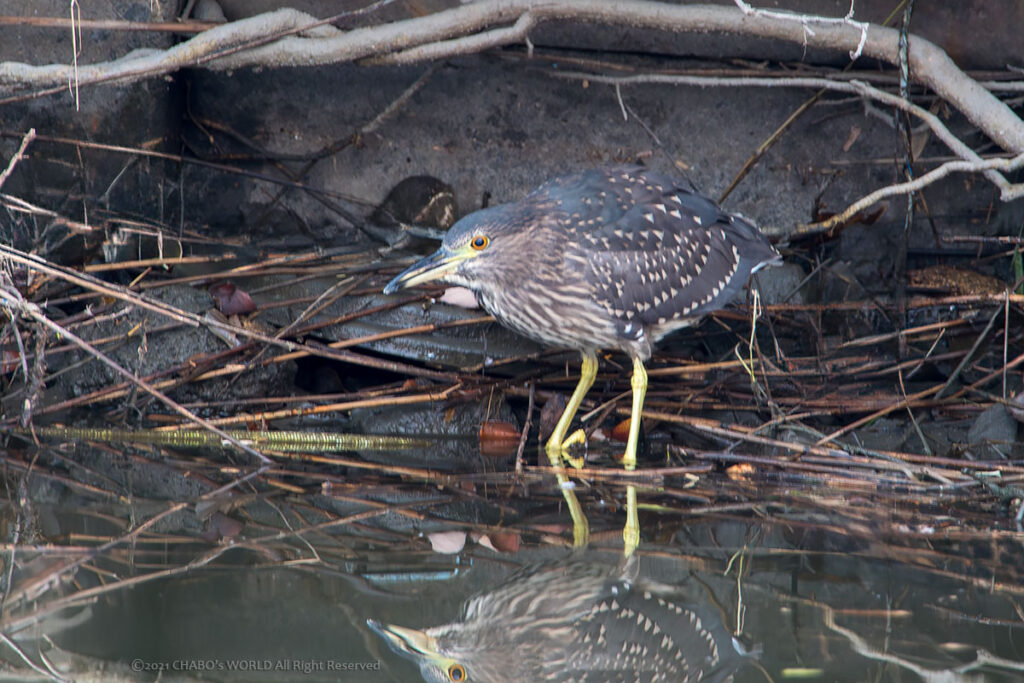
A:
(480, 242)
(456, 672)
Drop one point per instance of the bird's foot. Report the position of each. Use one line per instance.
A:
(562, 450)
(577, 438)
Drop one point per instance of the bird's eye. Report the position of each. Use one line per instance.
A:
(456, 672)
(480, 242)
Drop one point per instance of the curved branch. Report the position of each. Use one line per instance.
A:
(919, 183)
(465, 29)
(957, 146)
(143, 63)
(929, 64)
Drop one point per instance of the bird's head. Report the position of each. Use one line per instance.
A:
(427, 649)
(474, 253)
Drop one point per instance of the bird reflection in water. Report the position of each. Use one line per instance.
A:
(575, 621)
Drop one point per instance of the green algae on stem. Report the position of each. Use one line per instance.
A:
(198, 438)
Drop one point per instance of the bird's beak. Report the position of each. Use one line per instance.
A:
(434, 267)
(407, 642)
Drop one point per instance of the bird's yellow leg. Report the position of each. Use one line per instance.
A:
(631, 532)
(558, 443)
(580, 526)
(556, 450)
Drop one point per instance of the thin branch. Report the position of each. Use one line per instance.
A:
(805, 20)
(14, 303)
(183, 26)
(18, 156)
(929, 64)
(969, 162)
(28, 660)
(915, 185)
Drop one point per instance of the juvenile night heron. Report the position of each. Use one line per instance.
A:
(612, 258)
(576, 621)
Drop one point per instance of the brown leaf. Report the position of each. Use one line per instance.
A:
(499, 542)
(221, 527)
(9, 361)
(505, 542)
(740, 471)
(620, 432)
(498, 438)
(498, 430)
(230, 299)
(549, 414)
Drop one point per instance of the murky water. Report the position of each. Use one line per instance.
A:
(836, 587)
(831, 616)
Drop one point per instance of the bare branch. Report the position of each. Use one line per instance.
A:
(13, 302)
(929, 64)
(467, 29)
(918, 183)
(18, 156)
(972, 162)
(806, 19)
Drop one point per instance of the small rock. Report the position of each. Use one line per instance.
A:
(209, 10)
(1017, 407)
(994, 426)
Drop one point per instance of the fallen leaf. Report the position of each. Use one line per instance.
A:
(498, 430)
(549, 414)
(620, 432)
(741, 471)
(485, 541)
(505, 542)
(9, 361)
(447, 542)
(498, 438)
(221, 527)
(230, 299)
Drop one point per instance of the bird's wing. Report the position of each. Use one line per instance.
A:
(670, 258)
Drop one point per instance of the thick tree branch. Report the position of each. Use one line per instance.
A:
(467, 29)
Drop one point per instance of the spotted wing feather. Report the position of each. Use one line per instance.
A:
(668, 257)
(598, 197)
